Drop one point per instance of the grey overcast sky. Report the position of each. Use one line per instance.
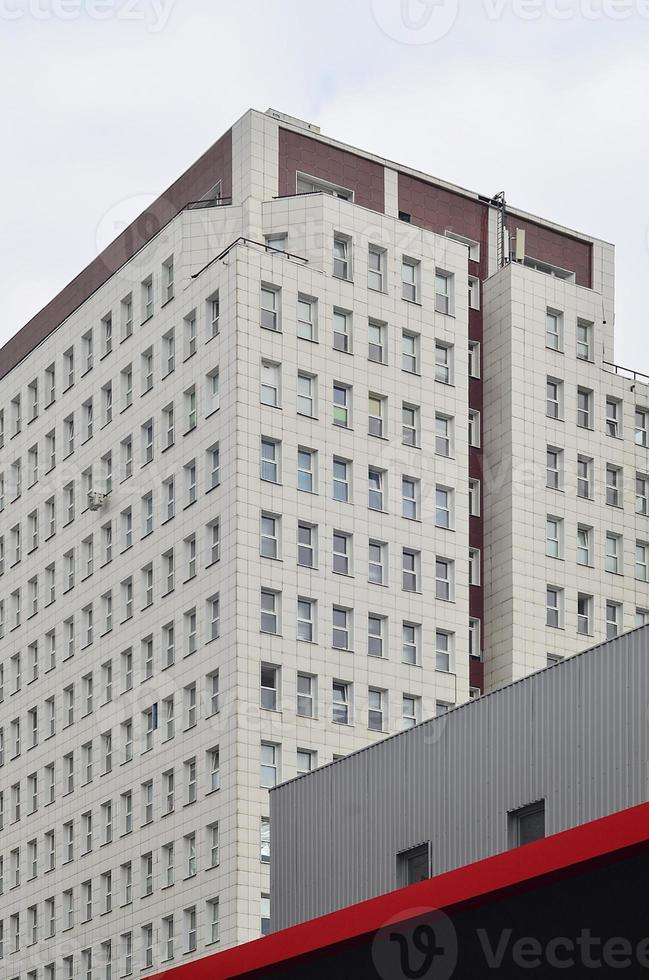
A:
(106, 102)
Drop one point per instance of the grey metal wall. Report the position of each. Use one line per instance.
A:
(574, 734)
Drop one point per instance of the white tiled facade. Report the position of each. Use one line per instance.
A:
(247, 598)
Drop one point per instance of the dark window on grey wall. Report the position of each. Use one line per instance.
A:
(413, 865)
(527, 824)
(404, 216)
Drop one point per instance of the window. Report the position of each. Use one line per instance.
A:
(584, 340)
(442, 435)
(554, 607)
(308, 185)
(474, 498)
(270, 384)
(414, 865)
(341, 257)
(526, 824)
(264, 908)
(613, 619)
(375, 635)
(553, 542)
(341, 404)
(641, 426)
(376, 268)
(190, 409)
(584, 408)
(410, 711)
(269, 544)
(269, 314)
(306, 318)
(443, 292)
(375, 480)
(376, 415)
(474, 638)
(269, 764)
(474, 293)
(269, 611)
(306, 395)
(305, 696)
(409, 352)
(306, 551)
(443, 644)
(641, 490)
(410, 279)
(306, 459)
(341, 552)
(614, 417)
(410, 561)
(341, 628)
(269, 686)
(641, 560)
(214, 769)
(474, 428)
(189, 335)
(410, 498)
(213, 313)
(443, 363)
(269, 460)
(474, 566)
(443, 499)
(147, 370)
(341, 468)
(584, 545)
(584, 476)
(444, 579)
(410, 643)
(554, 389)
(305, 619)
(213, 454)
(147, 442)
(376, 562)
(409, 425)
(342, 321)
(641, 617)
(553, 330)
(376, 709)
(613, 485)
(474, 359)
(340, 705)
(613, 553)
(126, 309)
(554, 461)
(376, 350)
(190, 929)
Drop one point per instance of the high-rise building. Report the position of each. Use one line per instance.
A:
(318, 447)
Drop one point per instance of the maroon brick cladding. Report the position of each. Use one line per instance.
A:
(556, 249)
(302, 153)
(214, 165)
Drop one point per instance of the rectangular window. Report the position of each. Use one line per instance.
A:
(554, 607)
(342, 329)
(410, 425)
(443, 433)
(554, 392)
(584, 545)
(443, 363)
(269, 611)
(526, 824)
(613, 485)
(269, 540)
(410, 562)
(269, 686)
(306, 459)
(377, 562)
(376, 415)
(341, 703)
(584, 340)
(584, 476)
(613, 619)
(641, 494)
(341, 404)
(306, 318)
(306, 395)
(269, 460)
(553, 330)
(584, 408)
(375, 479)
(584, 613)
(305, 695)
(375, 635)
(341, 552)
(341, 257)
(410, 498)
(553, 537)
(376, 709)
(306, 619)
(341, 628)
(641, 558)
(410, 352)
(376, 268)
(554, 461)
(410, 280)
(341, 470)
(641, 427)
(443, 645)
(443, 292)
(613, 553)
(474, 359)
(269, 312)
(269, 764)
(270, 384)
(376, 341)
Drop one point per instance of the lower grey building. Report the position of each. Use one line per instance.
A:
(549, 752)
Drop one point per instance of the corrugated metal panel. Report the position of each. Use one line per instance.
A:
(576, 735)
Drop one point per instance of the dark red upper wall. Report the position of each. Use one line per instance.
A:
(441, 210)
(301, 153)
(556, 248)
(214, 165)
